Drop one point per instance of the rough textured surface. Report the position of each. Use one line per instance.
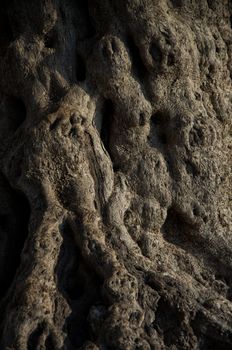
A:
(115, 160)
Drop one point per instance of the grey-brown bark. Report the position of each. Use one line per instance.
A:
(115, 159)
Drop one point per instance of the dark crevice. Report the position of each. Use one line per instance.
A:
(20, 114)
(7, 35)
(106, 124)
(158, 136)
(158, 118)
(80, 69)
(51, 39)
(56, 91)
(80, 287)
(69, 283)
(73, 288)
(84, 20)
(138, 67)
(12, 113)
(34, 338)
(168, 322)
(14, 218)
(142, 119)
(156, 54)
(49, 344)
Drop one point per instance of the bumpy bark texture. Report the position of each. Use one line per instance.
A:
(115, 164)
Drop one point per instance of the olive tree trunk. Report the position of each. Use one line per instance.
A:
(115, 160)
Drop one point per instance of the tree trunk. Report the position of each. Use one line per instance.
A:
(115, 163)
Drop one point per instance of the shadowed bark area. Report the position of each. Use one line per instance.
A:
(115, 175)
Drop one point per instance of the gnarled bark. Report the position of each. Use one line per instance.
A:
(115, 161)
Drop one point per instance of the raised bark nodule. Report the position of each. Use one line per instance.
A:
(115, 160)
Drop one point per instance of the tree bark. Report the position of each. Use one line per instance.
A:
(115, 161)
